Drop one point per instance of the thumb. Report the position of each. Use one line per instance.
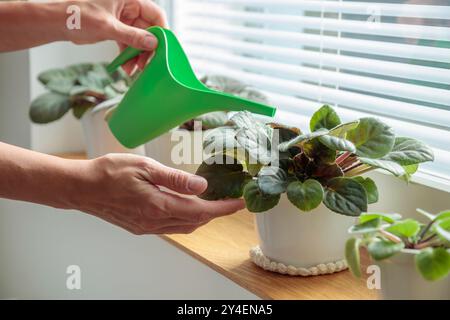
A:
(134, 37)
(178, 180)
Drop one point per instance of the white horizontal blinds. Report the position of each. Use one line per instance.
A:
(390, 59)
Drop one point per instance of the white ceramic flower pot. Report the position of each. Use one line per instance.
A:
(302, 239)
(180, 149)
(401, 280)
(99, 139)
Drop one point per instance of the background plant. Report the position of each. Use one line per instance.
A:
(323, 165)
(77, 88)
(224, 84)
(384, 235)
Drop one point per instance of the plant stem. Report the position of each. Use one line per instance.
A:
(358, 170)
(390, 236)
(343, 157)
(426, 244)
(425, 230)
(351, 166)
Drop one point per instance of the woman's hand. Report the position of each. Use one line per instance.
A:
(25, 24)
(124, 189)
(124, 21)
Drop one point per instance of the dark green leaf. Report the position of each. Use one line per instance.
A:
(390, 166)
(225, 180)
(272, 180)
(320, 153)
(336, 143)
(370, 187)
(324, 118)
(433, 263)
(352, 256)
(324, 172)
(408, 151)
(305, 196)
(301, 138)
(383, 249)
(372, 138)
(49, 107)
(345, 196)
(256, 201)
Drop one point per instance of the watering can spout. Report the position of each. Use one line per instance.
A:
(166, 94)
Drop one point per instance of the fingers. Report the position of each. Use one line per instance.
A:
(134, 37)
(197, 210)
(153, 13)
(176, 180)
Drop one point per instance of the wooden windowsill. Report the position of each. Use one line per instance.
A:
(224, 244)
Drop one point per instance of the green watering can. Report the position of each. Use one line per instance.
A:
(167, 94)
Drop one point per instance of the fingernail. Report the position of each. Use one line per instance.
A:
(197, 183)
(150, 42)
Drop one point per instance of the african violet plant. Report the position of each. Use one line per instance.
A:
(229, 85)
(77, 88)
(323, 165)
(385, 235)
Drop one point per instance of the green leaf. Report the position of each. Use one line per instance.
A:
(442, 215)
(80, 106)
(256, 143)
(225, 180)
(342, 129)
(305, 196)
(324, 118)
(320, 153)
(388, 217)
(442, 228)
(336, 143)
(213, 119)
(390, 166)
(272, 180)
(256, 201)
(366, 226)
(301, 138)
(345, 196)
(406, 228)
(408, 151)
(370, 187)
(383, 249)
(372, 138)
(219, 139)
(409, 171)
(324, 172)
(49, 107)
(352, 256)
(433, 263)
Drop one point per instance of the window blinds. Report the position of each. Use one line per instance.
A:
(390, 60)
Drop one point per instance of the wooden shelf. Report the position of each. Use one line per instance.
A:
(224, 244)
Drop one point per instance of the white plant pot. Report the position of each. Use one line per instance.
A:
(401, 280)
(99, 139)
(167, 149)
(303, 240)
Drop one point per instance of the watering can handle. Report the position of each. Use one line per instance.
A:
(127, 54)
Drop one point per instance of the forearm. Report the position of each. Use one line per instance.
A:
(35, 177)
(28, 24)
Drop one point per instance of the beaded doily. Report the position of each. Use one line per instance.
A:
(262, 261)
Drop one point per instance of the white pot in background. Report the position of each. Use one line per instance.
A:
(302, 239)
(401, 280)
(99, 139)
(167, 149)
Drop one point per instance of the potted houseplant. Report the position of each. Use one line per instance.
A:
(414, 257)
(310, 176)
(182, 147)
(89, 92)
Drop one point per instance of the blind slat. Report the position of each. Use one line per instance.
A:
(374, 105)
(360, 8)
(406, 51)
(360, 27)
(393, 69)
